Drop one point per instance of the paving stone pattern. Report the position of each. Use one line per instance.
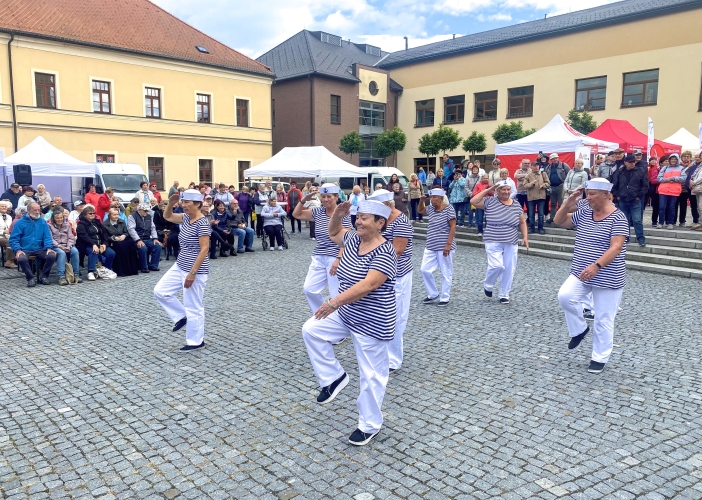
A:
(97, 401)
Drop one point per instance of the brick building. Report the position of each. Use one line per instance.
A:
(326, 87)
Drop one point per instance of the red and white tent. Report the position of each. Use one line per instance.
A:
(555, 137)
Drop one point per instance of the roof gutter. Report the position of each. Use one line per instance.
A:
(12, 90)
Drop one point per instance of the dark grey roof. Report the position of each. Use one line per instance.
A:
(612, 14)
(305, 53)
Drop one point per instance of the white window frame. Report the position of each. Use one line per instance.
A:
(56, 86)
(163, 101)
(250, 125)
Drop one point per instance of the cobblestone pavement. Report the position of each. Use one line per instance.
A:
(97, 401)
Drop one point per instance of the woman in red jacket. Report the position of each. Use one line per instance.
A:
(652, 195)
(157, 193)
(103, 204)
(92, 197)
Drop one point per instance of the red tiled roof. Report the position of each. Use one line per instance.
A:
(133, 25)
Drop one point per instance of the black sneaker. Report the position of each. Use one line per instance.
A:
(588, 314)
(443, 303)
(180, 324)
(488, 293)
(340, 342)
(542, 231)
(154, 269)
(575, 341)
(595, 367)
(31, 283)
(145, 271)
(251, 250)
(44, 281)
(328, 393)
(530, 230)
(504, 300)
(392, 370)
(192, 347)
(429, 300)
(360, 438)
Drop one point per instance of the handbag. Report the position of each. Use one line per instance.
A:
(70, 275)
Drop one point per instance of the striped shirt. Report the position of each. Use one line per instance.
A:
(401, 228)
(502, 221)
(190, 244)
(592, 240)
(325, 246)
(374, 314)
(438, 229)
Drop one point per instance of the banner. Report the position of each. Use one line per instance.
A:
(583, 153)
(651, 140)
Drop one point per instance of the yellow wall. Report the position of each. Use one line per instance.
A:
(367, 76)
(177, 137)
(552, 66)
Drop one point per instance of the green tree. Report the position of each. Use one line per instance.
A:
(475, 143)
(446, 138)
(511, 132)
(390, 142)
(582, 121)
(427, 146)
(351, 144)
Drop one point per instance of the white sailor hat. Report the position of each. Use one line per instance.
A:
(381, 195)
(437, 192)
(500, 184)
(374, 207)
(192, 195)
(599, 183)
(329, 188)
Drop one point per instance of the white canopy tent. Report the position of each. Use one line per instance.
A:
(313, 162)
(686, 140)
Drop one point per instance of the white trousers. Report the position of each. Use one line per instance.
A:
(430, 262)
(165, 292)
(403, 296)
(502, 262)
(606, 302)
(317, 278)
(372, 356)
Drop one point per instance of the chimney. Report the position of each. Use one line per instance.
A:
(406, 43)
(454, 36)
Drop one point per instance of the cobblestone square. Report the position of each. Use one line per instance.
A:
(97, 401)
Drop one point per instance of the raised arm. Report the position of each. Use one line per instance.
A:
(336, 228)
(422, 207)
(168, 212)
(300, 212)
(564, 216)
(478, 201)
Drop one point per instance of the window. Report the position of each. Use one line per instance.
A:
(640, 88)
(454, 108)
(45, 85)
(425, 163)
(101, 97)
(242, 112)
(590, 93)
(203, 108)
(336, 109)
(369, 157)
(243, 165)
(152, 102)
(520, 102)
(156, 172)
(371, 114)
(485, 106)
(425, 113)
(205, 171)
(104, 158)
(373, 88)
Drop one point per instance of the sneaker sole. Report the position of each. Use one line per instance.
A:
(429, 301)
(590, 370)
(336, 392)
(363, 443)
(442, 304)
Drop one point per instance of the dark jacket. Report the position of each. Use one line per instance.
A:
(222, 219)
(690, 174)
(294, 197)
(245, 202)
(159, 221)
(118, 229)
(629, 187)
(235, 218)
(13, 197)
(442, 182)
(89, 233)
(561, 168)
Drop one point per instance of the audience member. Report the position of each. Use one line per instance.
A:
(237, 224)
(144, 195)
(92, 196)
(64, 244)
(156, 192)
(43, 196)
(126, 262)
(131, 207)
(31, 238)
(103, 204)
(91, 240)
(12, 195)
(143, 231)
(5, 223)
(272, 215)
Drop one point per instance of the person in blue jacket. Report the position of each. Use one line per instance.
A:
(31, 238)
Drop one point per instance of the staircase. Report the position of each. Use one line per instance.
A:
(675, 252)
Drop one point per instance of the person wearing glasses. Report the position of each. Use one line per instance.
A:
(91, 239)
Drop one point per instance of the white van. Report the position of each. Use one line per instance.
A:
(124, 178)
(376, 175)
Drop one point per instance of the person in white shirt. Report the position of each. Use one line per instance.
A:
(5, 222)
(78, 207)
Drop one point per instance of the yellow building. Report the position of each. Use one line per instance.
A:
(628, 60)
(129, 83)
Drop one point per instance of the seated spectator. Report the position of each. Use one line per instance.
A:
(31, 238)
(273, 216)
(75, 213)
(156, 192)
(143, 231)
(126, 261)
(159, 221)
(64, 242)
(12, 195)
(104, 204)
(57, 201)
(91, 239)
(237, 224)
(222, 217)
(92, 196)
(131, 207)
(216, 236)
(27, 196)
(5, 223)
(118, 206)
(43, 196)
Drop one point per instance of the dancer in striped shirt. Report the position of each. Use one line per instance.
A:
(440, 246)
(505, 218)
(598, 267)
(364, 310)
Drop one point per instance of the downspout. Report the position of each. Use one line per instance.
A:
(12, 92)
(311, 110)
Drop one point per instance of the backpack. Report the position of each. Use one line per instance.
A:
(70, 274)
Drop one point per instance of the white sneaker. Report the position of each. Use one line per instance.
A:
(280, 248)
(91, 276)
(272, 249)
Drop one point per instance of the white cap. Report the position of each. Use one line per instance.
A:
(599, 183)
(192, 195)
(381, 195)
(374, 207)
(437, 192)
(553, 156)
(328, 188)
(500, 184)
(144, 206)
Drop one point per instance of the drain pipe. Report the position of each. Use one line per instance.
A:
(12, 92)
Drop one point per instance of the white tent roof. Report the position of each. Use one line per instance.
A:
(555, 137)
(685, 139)
(46, 160)
(314, 161)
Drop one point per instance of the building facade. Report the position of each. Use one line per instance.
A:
(615, 61)
(139, 87)
(326, 87)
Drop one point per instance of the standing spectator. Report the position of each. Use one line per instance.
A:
(355, 198)
(671, 179)
(237, 223)
(430, 179)
(504, 177)
(575, 178)
(5, 223)
(520, 176)
(394, 179)
(441, 181)
(223, 194)
(281, 196)
(272, 215)
(599, 160)
(174, 189)
(556, 171)
(448, 168)
(260, 201)
(43, 196)
(494, 175)
(416, 190)
(640, 163)
(342, 194)
(92, 196)
(144, 195)
(311, 205)
(629, 189)
(457, 197)
(103, 204)
(536, 184)
(64, 244)
(294, 197)
(155, 192)
(31, 238)
(479, 212)
(245, 204)
(400, 198)
(126, 261)
(143, 231)
(422, 176)
(607, 167)
(696, 188)
(12, 195)
(472, 179)
(690, 168)
(652, 194)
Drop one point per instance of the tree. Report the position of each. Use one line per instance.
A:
(446, 138)
(511, 132)
(351, 144)
(475, 143)
(389, 143)
(582, 121)
(427, 146)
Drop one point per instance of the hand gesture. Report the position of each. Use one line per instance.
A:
(525, 242)
(343, 209)
(174, 199)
